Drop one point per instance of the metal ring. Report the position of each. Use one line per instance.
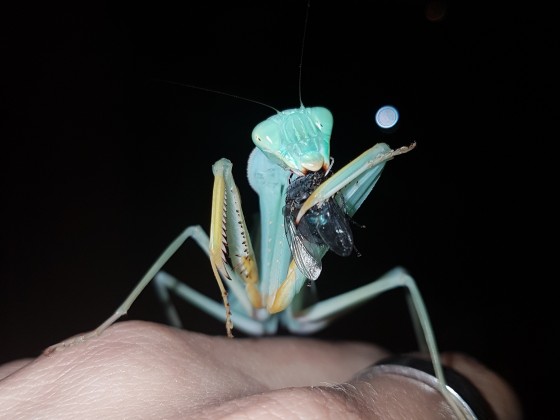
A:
(467, 396)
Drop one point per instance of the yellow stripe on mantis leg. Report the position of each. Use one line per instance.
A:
(218, 244)
(285, 293)
(228, 235)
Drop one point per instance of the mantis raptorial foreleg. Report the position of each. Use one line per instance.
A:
(228, 230)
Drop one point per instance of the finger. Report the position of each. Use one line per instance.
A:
(282, 362)
(150, 370)
(271, 363)
(383, 397)
(375, 395)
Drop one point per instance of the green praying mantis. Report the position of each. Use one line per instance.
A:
(305, 211)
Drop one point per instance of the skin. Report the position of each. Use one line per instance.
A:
(146, 370)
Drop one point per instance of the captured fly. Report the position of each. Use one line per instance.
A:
(324, 226)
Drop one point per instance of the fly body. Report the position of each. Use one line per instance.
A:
(325, 226)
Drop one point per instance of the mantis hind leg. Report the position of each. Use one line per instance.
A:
(318, 316)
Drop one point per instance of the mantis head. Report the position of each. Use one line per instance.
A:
(297, 139)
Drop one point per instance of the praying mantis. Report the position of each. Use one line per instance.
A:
(263, 278)
(262, 288)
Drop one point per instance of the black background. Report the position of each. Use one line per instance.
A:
(104, 163)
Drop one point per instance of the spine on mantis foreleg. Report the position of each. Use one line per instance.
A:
(229, 236)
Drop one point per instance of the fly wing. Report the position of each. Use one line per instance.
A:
(306, 255)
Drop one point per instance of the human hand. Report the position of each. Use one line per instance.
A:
(145, 370)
